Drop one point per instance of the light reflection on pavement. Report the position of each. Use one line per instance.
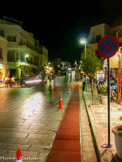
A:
(33, 104)
(29, 119)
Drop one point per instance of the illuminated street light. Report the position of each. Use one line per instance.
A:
(26, 55)
(83, 41)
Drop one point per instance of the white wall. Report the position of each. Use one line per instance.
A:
(3, 45)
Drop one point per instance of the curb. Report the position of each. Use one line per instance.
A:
(92, 131)
(104, 154)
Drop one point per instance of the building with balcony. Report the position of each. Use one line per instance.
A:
(43, 51)
(96, 33)
(21, 47)
(3, 58)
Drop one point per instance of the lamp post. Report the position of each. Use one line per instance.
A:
(83, 41)
(26, 56)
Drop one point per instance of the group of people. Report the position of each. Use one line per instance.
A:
(9, 81)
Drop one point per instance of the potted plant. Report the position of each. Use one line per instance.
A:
(103, 91)
(117, 130)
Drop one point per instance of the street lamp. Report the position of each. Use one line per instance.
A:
(83, 41)
(26, 56)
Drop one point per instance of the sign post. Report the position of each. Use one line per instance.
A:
(119, 80)
(107, 47)
(108, 103)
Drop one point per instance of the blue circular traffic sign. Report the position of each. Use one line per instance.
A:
(107, 46)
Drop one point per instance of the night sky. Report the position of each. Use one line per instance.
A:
(59, 25)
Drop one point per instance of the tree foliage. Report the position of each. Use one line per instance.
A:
(90, 64)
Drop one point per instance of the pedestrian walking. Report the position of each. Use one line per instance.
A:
(113, 95)
(83, 85)
(7, 81)
(13, 80)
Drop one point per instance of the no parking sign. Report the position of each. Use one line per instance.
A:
(107, 47)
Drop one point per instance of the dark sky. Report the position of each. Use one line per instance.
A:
(59, 25)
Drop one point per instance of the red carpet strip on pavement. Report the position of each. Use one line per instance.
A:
(66, 146)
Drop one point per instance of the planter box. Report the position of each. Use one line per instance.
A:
(117, 130)
(104, 100)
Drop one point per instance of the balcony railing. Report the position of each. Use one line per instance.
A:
(21, 44)
(26, 44)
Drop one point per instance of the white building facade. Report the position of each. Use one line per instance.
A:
(21, 47)
(96, 33)
(3, 58)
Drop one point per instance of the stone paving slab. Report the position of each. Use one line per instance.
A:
(33, 133)
(99, 123)
(87, 145)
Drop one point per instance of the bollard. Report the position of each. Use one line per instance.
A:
(18, 155)
(60, 103)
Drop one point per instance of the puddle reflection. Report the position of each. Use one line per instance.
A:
(33, 104)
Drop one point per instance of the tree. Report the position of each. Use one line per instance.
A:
(90, 65)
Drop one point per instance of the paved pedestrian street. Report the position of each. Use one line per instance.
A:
(29, 119)
(98, 115)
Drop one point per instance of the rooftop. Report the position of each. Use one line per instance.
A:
(7, 20)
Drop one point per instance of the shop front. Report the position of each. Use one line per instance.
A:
(3, 72)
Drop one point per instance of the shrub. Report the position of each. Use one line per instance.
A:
(102, 90)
